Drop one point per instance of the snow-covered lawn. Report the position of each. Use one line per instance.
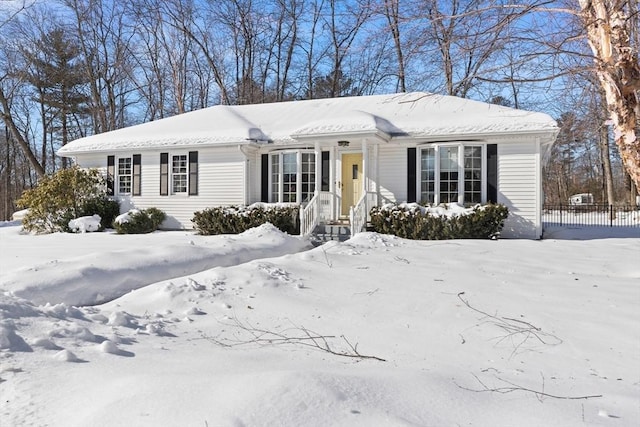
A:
(255, 329)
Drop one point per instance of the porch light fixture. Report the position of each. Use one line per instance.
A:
(343, 143)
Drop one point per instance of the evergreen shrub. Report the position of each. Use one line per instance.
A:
(235, 219)
(139, 221)
(412, 221)
(107, 209)
(68, 194)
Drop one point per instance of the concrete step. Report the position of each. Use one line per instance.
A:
(326, 232)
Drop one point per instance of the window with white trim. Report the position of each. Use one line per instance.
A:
(452, 173)
(473, 174)
(290, 180)
(293, 176)
(179, 174)
(275, 178)
(124, 175)
(428, 175)
(308, 179)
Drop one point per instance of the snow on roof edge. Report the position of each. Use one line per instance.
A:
(414, 115)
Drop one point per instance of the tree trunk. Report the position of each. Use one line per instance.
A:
(607, 25)
(17, 136)
(392, 12)
(606, 166)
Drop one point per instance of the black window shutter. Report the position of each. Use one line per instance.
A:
(193, 173)
(135, 190)
(492, 173)
(411, 175)
(164, 174)
(111, 172)
(264, 178)
(325, 171)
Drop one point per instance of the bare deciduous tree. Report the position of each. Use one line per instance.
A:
(149, 59)
(102, 34)
(392, 13)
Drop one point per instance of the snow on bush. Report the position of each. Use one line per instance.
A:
(237, 219)
(138, 221)
(445, 221)
(125, 217)
(18, 215)
(85, 224)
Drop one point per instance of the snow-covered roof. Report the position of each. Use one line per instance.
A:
(415, 114)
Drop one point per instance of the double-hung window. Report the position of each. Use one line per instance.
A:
(179, 174)
(293, 176)
(124, 175)
(452, 173)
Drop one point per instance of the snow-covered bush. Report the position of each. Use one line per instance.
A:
(106, 208)
(234, 219)
(68, 194)
(413, 221)
(138, 221)
(85, 224)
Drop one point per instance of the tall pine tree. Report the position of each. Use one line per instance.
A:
(57, 73)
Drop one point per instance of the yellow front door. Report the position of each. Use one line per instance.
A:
(351, 181)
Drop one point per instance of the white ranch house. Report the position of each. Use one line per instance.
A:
(338, 157)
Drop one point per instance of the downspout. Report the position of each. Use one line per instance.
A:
(376, 173)
(245, 175)
(539, 190)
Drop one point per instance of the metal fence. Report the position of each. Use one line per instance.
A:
(596, 215)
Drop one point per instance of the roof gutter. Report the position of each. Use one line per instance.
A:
(551, 133)
(111, 149)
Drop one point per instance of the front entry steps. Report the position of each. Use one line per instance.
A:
(327, 232)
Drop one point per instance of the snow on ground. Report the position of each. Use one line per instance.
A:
(482, 333)
(57, 277)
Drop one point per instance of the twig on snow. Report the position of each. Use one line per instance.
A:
(519, 331)
(511, 387)
(296, 335)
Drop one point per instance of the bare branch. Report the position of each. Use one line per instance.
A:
(511, 387)
(518, 331)
(296, 335)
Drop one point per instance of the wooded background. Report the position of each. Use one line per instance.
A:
(71, 68)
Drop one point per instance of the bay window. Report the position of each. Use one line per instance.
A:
(473, 174)
(452, 173)
(293, 176)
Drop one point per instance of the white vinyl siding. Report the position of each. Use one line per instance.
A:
(518, 188)
(392, 167)
(229, 176)
(221, 175)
